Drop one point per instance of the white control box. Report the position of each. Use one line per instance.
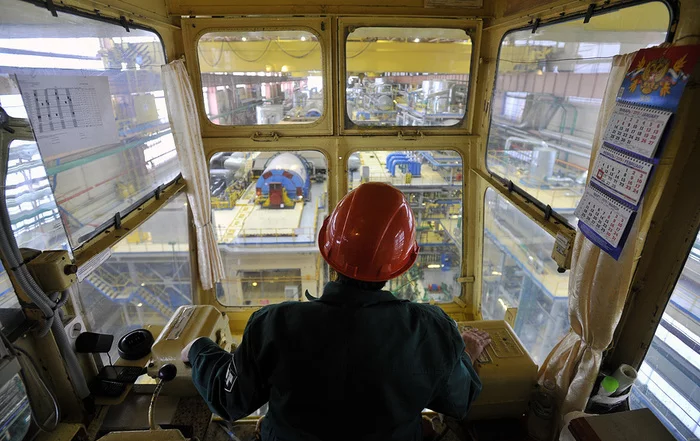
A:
(508, 373)
(187, 324)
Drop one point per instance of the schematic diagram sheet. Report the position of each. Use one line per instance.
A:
(69, 113)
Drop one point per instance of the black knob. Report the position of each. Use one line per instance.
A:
(167, 372)
(70, 269)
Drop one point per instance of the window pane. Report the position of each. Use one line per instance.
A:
(261, 77)
(95, 182)
(146, 278)
(669, 379)
(549, 89)
(518, 272)
(407, 76)
(34, 214)
(268, 208)
(432, 183)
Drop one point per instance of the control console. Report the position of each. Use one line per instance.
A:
(507, 373)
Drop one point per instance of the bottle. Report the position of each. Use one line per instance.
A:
(608, 386)
(540, 419)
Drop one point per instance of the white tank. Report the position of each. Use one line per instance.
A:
(287, 161)
(542, 165)
(235, 161)
(384, 102)
(269, 114)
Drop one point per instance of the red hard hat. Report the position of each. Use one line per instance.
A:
(371, 234)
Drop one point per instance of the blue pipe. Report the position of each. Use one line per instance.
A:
(392, 158)
(413, 167)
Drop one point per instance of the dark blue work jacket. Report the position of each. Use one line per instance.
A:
(352, 365)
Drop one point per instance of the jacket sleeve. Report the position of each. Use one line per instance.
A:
(461, 386)
(458, 391)
(230, 383)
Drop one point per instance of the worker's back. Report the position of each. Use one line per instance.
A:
(356, 365)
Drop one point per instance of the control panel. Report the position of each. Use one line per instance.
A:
(187, 324)
(507, 373)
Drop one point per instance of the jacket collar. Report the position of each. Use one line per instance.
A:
(339, 294)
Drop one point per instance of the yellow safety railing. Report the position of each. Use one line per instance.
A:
(400, 179)
(280, 235)
(168, 247)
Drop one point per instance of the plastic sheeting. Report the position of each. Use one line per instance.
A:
(598, 287)
(184, 122)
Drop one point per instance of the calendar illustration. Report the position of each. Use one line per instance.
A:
(636, 129)
(621, 175)
(658, 76)
(604, 215)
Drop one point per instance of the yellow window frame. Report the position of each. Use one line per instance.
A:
(194, 28)
(346, 25)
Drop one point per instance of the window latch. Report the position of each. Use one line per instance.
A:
(410, 136)
(265, 137)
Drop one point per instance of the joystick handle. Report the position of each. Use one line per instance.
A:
(166, 373)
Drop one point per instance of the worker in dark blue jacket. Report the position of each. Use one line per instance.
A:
(356, 364)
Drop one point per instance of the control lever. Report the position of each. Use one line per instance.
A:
(165, 374)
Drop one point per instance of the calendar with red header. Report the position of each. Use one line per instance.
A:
(620, 174)
(607, 217)
(636, 129)
(632, 140)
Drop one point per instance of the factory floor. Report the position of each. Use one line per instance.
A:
(250, 224)
(376, 161)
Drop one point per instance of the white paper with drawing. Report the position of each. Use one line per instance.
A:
(69, 113)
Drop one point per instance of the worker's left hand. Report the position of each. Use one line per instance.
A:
(475, 341)
(185, 354)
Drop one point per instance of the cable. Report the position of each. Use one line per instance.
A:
(269, 42)
(19, 353)
(49, 392)
(554, 60)
(360, 52)
(201, 55)
(296, 56)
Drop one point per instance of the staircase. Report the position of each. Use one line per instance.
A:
(120, 289)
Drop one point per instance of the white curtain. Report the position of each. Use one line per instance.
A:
(184, 123)
(598, 287)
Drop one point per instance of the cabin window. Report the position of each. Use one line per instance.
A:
(96, 176)
(35, 217)
(267, 210)
(668, 381)
(518, 272)
(549, 88)
(407, 76)
(145, 278)
(261, 77)
(432, 182)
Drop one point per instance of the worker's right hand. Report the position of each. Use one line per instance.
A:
(475, 341)
(185, 354)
